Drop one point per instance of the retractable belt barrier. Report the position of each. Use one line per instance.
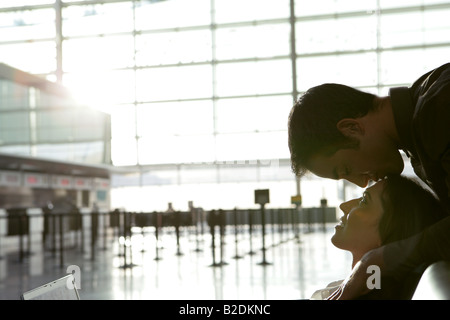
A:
(247, 225)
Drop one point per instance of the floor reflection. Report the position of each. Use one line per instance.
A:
(139, 268)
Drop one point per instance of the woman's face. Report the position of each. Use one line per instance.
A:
(358, 230)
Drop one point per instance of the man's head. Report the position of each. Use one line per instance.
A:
(333, 134)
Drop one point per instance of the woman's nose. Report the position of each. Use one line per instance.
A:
(347, 206)
(343, 206)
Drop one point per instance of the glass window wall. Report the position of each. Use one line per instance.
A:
(214, 85)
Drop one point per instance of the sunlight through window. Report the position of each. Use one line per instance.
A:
(189, 82)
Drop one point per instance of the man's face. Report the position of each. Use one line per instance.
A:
(358, 166)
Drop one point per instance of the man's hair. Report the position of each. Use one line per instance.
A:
(408, 208)
(312, 121)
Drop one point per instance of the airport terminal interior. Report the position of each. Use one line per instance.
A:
(292, 266)
(143, 143)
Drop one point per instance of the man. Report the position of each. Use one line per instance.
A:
(338, 132)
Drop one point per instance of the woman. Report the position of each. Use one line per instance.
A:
(394, 208)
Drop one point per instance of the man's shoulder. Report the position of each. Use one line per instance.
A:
(431, 82)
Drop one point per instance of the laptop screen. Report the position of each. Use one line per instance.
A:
(61, 289)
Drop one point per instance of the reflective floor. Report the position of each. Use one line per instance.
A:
(293, 265)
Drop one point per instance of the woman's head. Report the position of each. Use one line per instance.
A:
(394, 208)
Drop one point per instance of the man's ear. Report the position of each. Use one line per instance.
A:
(350, 127)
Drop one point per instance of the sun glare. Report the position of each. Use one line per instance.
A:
(92, 90)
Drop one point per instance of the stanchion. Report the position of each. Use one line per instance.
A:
(283, 225)
(105, 231)
(82, 235)
(20, 239)
(21, 253)
(114, 221)
(309, 220)
(119, 219)
(250, 231)
(94, 230)
(236, 240)
(264, 262)
(23, 230)
(158, 224)
(202, 223)
(272, 220)
(261, 198)
(297, 223)
(280, 226)
(53, 249)
(196, 220)
(323, 205)
(177, 222)
(79, 228)
(291, 211)
(126, 230)
(212, 221)
(141, 220)
(222, 224)
(61, 240)
(286, 224)
(28, 231)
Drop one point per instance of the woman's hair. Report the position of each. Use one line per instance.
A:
(313, 118)
(408, 209)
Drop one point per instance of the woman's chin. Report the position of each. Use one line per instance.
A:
(336, 241)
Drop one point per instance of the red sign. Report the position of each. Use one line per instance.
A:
(32, 180)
